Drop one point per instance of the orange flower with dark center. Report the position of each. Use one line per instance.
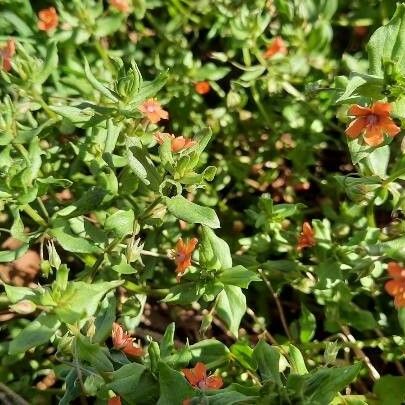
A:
(153, 111)
(182, 255)
(122, 341)
(120, 5)
(202, 87)
(114, 401)
(396, 286)
(178, 143)
(48, 19)
(6, 54)
(307, 237)
(373, 122)
(277, 46)
(198, 378)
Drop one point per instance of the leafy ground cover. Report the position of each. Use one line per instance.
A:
(202, 202)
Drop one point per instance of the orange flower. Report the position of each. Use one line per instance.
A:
(197, 377)
(202, 88)
(122, 341)
(48, 19)
(153, 111)
(182, 255)
(396, 286)
(114, 401)
(306, 238)
(277, 46)
(186, 401)
(6, 53)
(120, 5)
(179, 143)
(373, 122)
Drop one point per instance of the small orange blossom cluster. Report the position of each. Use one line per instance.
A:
(372, 123)
(153, 112)
(122, 341)
(396, 286)
(198, 378)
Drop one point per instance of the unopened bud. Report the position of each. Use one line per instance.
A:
(134, 250)
(23, 307)
(331, 351)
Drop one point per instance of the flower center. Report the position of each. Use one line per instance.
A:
(372, 119)
(180, 256)
(150, 108)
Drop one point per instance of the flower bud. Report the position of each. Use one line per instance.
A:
(331, 351)
(129, 82)
(134, 249)
(23, 307)
(359, 189)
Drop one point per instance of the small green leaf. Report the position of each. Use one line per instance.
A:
(120, 223)
(38, 332)
(296, 360)
(7, 256)
(150, 89)
(72, 243)
(307, 325)
(214, 251)
(192, 213)
(80, 300)
(390, 390)
(94, 354)
(96, 84)
(15, 294)
(388, 43)
(167, 344)
(50, 65)
(184, 293)
(267, 359)
(125, 379)
(105, 318)
(174, 388)
(378, 160)
(323, 385)
(231, 306)
(239, 276)
(74, 114)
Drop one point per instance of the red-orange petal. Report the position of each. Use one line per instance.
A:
(132, 351)
(388, 126)
(399, 300)
(191, 244)
(373, 135)
(380, 108)
(395, 270)
(356, 127)
(394, 287)
(114, 401)
(359, 111)
(214, 382)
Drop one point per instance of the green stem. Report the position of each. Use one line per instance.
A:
(139, 289)
(100, 259)
(370, 214)
(43, 209)
(393, 177)
(20, 148)
(34, 215)
(150, 208)
(104, 55)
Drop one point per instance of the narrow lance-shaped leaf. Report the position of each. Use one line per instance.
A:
(51, 63)
(97, 85)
